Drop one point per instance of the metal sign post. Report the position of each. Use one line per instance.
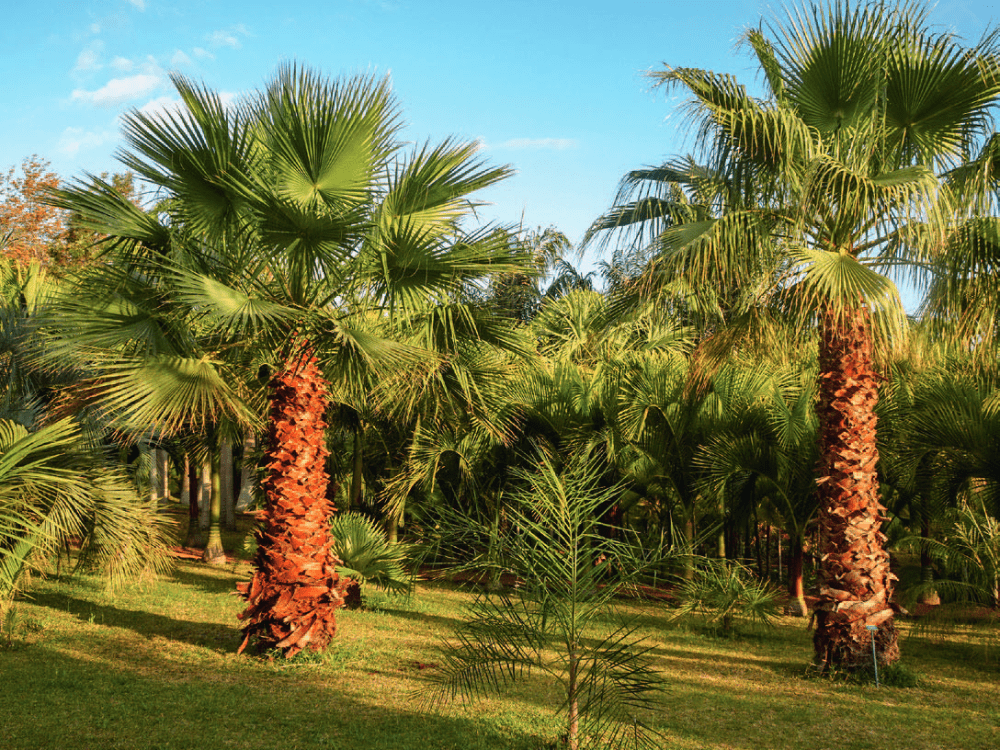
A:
(873, 629)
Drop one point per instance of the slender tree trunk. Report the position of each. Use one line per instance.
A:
(205, 496)
(295, 590)
(357, 475)
(573, 701)
(193, 478)
(227, 498)
(756, 544)
(767, 553)
(855, 580)
(777, 541)
(393, 522)
(185, 488)
(721, 539)
(796, 593)
(928, 595)
(247, 475)
(214, 553)
(163, 459)
(689, 547)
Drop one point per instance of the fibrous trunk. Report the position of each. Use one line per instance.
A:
(796, 592)
(855, 581)
(295, 590)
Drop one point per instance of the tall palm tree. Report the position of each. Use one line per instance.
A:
(865, 105)
(312, 224)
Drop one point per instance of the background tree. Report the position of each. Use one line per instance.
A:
(865, 106)
(35, 226)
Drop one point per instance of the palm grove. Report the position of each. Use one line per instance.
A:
(746, 374)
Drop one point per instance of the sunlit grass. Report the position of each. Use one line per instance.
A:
(154, 667)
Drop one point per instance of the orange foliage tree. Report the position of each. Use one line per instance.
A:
(38, 231)
(31, 225)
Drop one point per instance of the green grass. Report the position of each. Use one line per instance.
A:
(154, 667)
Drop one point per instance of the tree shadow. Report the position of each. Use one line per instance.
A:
(407, 614)
(64, 701)
(209, 584)
(212, 636)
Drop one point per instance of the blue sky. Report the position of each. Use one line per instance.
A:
(556, 89)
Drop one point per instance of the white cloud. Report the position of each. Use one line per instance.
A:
(161, 105)
(122, 64)
(90, 58)
(95, 28)
(203, 54)
(230, 37)
(120, 90)
(179, 60)
(553, 144)
(73, 140)
(140, 4)
(149, 66)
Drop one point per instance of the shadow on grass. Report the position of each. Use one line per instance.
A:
(203, 581)
(423, 617)
(213, 636)
(62, 701)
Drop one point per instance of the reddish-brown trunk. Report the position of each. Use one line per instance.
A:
(855, 581)
(295, 590)
(796, 591)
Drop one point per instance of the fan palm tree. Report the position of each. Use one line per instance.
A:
(312, 224)
(865, 106)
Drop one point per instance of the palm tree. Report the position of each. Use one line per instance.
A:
(54, 486)
(865, 105)
(769, 453)
(311, 225)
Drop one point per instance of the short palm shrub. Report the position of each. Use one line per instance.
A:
(554, 620)
(967, 558)
(727, 592)
(367, 556)
(53, 487)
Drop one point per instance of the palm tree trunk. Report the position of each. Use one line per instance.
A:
(928, 595)
(357, 475)
(193, 479)
(205, 495)
(855, 580)
(295, 590)
(796, 592)
(185, 493)
(214, 553)
(227, 496)
(689, 546)
(721, 538)
(247, 474)
(573, 701)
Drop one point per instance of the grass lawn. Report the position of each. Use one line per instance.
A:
(154, 667)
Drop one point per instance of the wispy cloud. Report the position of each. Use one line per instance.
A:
(140, 4)
(120, 90)
(156, 108)
(231, 37)
(179, 60)
(202, 54)
(122, 64)
(167, 105)
(74, 140)
(90, 58)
